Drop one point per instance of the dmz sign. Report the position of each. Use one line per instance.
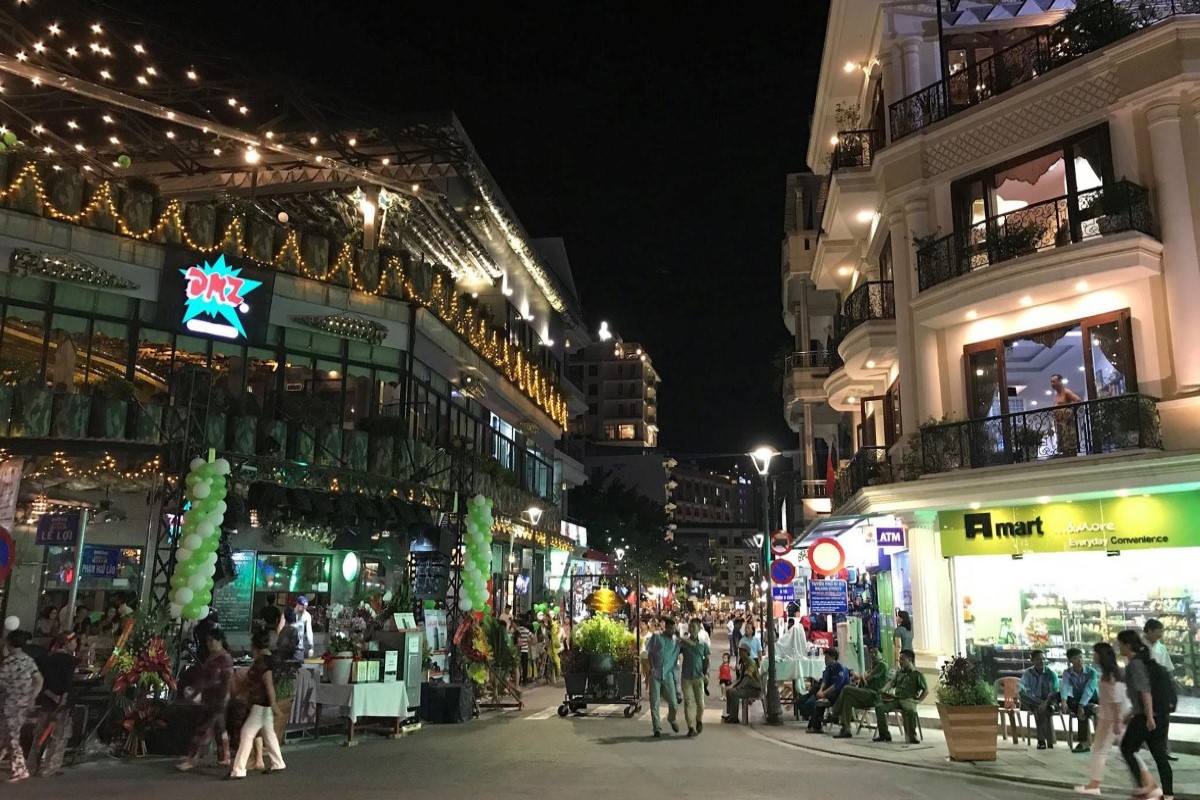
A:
(981, 525)
(219, 298)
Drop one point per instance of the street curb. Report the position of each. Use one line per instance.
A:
(758, 731)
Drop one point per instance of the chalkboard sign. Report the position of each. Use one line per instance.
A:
(235, 600)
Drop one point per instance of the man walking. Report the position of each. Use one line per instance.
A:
(748, 686)
(1153, 634)
(1080, 692)
(663, 650)
(695, 665)
(906, 690)
(864, 694)
(1040, 694)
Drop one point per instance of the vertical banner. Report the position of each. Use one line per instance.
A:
(10, 488)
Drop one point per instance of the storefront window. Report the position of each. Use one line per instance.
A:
(152, 369)
(109, 576)
(288, 577)
(67, 357)
(23, 342)
(262, 374)
(358, 395)
(108, 356)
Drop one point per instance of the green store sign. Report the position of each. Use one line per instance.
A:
(1119, 523)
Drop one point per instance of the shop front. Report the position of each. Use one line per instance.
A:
(1070, 574)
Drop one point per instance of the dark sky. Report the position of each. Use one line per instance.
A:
(656, 146)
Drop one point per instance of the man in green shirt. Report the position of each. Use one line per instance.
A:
(749, 686)
(695, 656)
(863, 694)
(907, 688)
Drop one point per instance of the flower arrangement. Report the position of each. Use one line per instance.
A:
(149, 671)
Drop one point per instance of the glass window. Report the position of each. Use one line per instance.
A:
(110, 575)
(66, 363)
(229, 375)
(262, 376)
(627, 432)
(23, 344)
(152, 369)
(983, 382)
(189, 351)
(327, 383)
(360, 395)
(1111, 356)
(288, 577)
(108, 356)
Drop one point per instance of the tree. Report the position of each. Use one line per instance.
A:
(617, 517)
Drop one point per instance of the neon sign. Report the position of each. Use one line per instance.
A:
(216, 299)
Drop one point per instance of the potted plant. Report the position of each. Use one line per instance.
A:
(1028, 443)
(110, 407)
(602, 638)
(575, 671)
(284, 674)
(339, 657)
(626, 664)
(966, 704)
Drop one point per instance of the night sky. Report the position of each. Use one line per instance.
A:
(656, 146)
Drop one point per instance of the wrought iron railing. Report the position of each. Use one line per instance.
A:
(856, 148)
(871, 301)
(869, 466)
(813, 489)
(1116, 208)
(1086, 29)
(1109, 424)
(806, 359)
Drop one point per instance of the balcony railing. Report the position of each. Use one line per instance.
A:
(813, 489)
(1082, 31)
(1110, 424)
(868, 467)
(856, 148)
(1116, 208)
(807, 359)
(872, 300)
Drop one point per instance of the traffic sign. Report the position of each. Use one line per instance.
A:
(8, 553)
(782, 571)
(784, 594)
(781, 543)
(826, 556)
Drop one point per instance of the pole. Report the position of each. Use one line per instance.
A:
(83, 520)
(774, 710)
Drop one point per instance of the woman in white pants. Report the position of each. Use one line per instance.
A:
(1108, 716)
(260, 688)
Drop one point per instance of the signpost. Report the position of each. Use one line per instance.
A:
(80, 519)
(828, 597)
(781, 543)
(784, 594)
(8, 553)
(59, 530)
(782, 571)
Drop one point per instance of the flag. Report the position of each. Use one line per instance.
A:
(830, 473)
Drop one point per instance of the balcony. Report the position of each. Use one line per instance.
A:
(816, 360)
(873, 300)
(1107, 425)
(1061, 221)
(868, 467)
(1081, 32)
(856, 149)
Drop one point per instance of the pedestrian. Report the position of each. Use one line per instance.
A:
(1080, 690)
(524, 637)
(1149, 708)
(46, 627)
(725, 675)
(20, 683)
(209, 685)
(903, 635)
(695, 667)
(735, 634)
(304, 626)
(864, 693)
(1108, 714)
(663, 652)
(1040, 695)
(54, 703)
(1153, 633)
(748, 686)
(287, 639)
(260, 689)
(906, 689)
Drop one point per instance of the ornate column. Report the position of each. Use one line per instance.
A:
(910, 49)
(927, 378)
(902, 287)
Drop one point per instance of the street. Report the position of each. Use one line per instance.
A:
(521, 754)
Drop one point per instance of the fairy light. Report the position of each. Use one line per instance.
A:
(54, 29)
(192, 76)
(106, 75)
(96, 29)
(107, 118)
(39, 47)
(72, 124)
(139, 48)
(73, 51)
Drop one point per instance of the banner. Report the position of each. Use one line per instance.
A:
(10, 488)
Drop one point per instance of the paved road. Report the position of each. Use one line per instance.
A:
(526, 754)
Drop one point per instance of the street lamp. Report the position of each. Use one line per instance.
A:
(762, 457)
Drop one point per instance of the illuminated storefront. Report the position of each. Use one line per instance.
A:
(1070, 574)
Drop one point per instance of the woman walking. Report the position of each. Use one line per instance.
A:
(260, 689)
(210, 683)
(1108, 716)
(1142, 727)
(20, 683)
(54, 704)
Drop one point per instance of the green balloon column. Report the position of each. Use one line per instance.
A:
(477, 560)
(199, 537)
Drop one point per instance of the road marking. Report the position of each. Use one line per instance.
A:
(545, 713)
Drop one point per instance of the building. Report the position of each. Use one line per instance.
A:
(351, 313)
(720, 558)
(620, 387)
(1006, 217)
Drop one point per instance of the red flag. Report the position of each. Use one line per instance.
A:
(830, 474)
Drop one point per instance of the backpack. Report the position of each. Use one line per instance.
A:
(1162, 687)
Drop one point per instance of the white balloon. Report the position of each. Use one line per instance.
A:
(182, 555)
(207, 570)
(205, 529)
(184, 595)
(12, 622)
(191, 542)
(201, 490)
(196, 463)
(464, 603)
(479, 499)
(221, 466)
(176, 611)
(197, 582)
(211, 558)
(220, 510)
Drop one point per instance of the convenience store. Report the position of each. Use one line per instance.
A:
(1072, 573)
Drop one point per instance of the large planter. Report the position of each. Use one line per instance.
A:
(626, 684)
(970, 731)
(601, 663)
(337, 670)
(576, 682)
(71, 414)
(108, 418)
(282, 711)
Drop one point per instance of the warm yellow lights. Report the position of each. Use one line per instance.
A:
(1026, 301)
(870, 364)
(849, 66)
(844, 271)
(972, 314)
(1082, 286)
(866, 215)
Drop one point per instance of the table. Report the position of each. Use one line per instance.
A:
(797, 669)
(386, 700)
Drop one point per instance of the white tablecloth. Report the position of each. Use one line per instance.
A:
(797, 669)
(365, 699)
(304, 709)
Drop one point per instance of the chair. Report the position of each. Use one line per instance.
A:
(898, 722)
(1008, 702)
(746, 702)
(864, 718)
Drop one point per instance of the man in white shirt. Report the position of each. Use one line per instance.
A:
(304, 629)
(1153, 634)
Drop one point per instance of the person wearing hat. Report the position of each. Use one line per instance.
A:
(748, 686)
(304, 629)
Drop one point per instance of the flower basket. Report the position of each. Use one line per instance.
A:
(337, 667)
(967, 707)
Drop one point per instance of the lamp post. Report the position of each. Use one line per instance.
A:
(762, 457)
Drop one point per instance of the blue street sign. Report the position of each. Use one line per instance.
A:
(827, 597)
(782, 571)
(60, 530)
(784, 594)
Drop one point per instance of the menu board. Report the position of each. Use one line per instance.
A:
(235, 600)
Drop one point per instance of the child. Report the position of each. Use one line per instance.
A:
(260, 688)
(725, 675)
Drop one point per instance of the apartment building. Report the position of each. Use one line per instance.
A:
(620, 386)
(1005, 220)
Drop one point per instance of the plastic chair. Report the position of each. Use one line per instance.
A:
(1008, 703)
(898, 723)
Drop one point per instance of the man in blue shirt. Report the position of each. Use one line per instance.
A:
(1080, 689)
(752, 639)
(835, 677)
(1039, 694)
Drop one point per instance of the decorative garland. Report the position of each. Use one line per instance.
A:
(477, 560)
(200, 535)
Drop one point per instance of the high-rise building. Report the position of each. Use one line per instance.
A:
(991, 302)
(620, 386)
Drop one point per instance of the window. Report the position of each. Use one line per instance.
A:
(627, 432)
(593, 370)
(286, 577)
(593, 408)
(885, 260)
(593, 389)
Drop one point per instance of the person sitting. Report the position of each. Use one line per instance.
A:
(833, 680)
(1040, 695)
(864, 693)
(748, 686)
(906, 689)
(806, 704)
(1080, 693)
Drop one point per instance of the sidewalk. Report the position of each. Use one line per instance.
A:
(1058, 768)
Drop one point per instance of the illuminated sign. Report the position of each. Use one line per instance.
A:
(219, 298)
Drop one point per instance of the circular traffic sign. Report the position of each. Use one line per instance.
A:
(8, 553)
(826, 556)
(781, 543)
(782, 571)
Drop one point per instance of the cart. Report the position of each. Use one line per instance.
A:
(603, 686)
